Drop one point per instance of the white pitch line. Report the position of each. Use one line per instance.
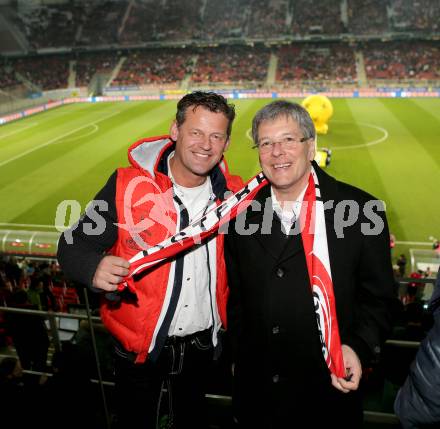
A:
(27, 152)
(248, 134)
(94, 130)
(415, 243)
(33, 225)
(18, 131)
(371, 143)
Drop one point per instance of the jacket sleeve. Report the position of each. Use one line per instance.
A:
(375, 299)
(81, 247)
(418, 401)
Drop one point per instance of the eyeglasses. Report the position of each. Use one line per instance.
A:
(288, 142)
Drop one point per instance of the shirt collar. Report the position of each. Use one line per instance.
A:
(290, 210)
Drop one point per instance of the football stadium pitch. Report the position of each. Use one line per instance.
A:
(388, 147)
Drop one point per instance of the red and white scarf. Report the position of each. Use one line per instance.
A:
(314, 237)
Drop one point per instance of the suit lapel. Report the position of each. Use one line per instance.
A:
(270, 235)
(264, 218)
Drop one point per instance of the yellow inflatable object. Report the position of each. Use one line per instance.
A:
(320, 109)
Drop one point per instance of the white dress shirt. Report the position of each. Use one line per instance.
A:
(196, 305)
(289, 211)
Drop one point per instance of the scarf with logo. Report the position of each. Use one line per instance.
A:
(314, 237)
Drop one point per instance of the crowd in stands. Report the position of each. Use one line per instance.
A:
(154, 67)
(334, 63)
(88, 64)
(139, 14)
(43, 283)
(178, 20)
(101, 23)
(231, 64)
(330, 62)
(268, 15)
(367, 16)
(51, 26)
(418, 60)
(72, 367)
(125, 22)
(410, 15)
(8, 78)
(125, 26)
(36, 73)
(28, 285)
(322, 18)
(224, 19)
(46, 73)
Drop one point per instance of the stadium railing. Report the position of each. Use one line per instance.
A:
(380, 383)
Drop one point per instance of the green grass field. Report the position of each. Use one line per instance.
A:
(389, 147)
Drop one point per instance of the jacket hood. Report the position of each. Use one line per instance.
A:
(150, 156)
(146, 154)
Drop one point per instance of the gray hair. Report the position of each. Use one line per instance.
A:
(284, 108)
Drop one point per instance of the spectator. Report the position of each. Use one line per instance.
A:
(418, 401)
(414, 289)
(28, 333)
(401, 263)
(35, 292)
(436, 247)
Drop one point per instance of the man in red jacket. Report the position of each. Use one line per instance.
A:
(166, 334)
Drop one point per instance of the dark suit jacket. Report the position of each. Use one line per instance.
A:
(271, 320)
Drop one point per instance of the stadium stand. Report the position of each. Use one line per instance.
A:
(183, 44)
(43, 72)
(8, 77)
(402, 61)
(420, 15)
(367, 17)
(102, 22)
(51, 26)
(89, 64)
(381, 381)
(322, 18)
(267, 15)
(125, 22)
(232, 64)
(143, 67)
(175, 45)
(330, 62)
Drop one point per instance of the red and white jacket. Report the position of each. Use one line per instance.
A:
(144, 196)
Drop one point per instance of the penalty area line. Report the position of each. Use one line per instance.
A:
(34, 225)
(27, 152)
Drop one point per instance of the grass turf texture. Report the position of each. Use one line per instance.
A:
(388, 147)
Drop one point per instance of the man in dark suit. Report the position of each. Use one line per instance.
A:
(298, 346)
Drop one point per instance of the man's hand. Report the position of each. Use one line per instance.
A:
(353, 369)
(110, 272)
